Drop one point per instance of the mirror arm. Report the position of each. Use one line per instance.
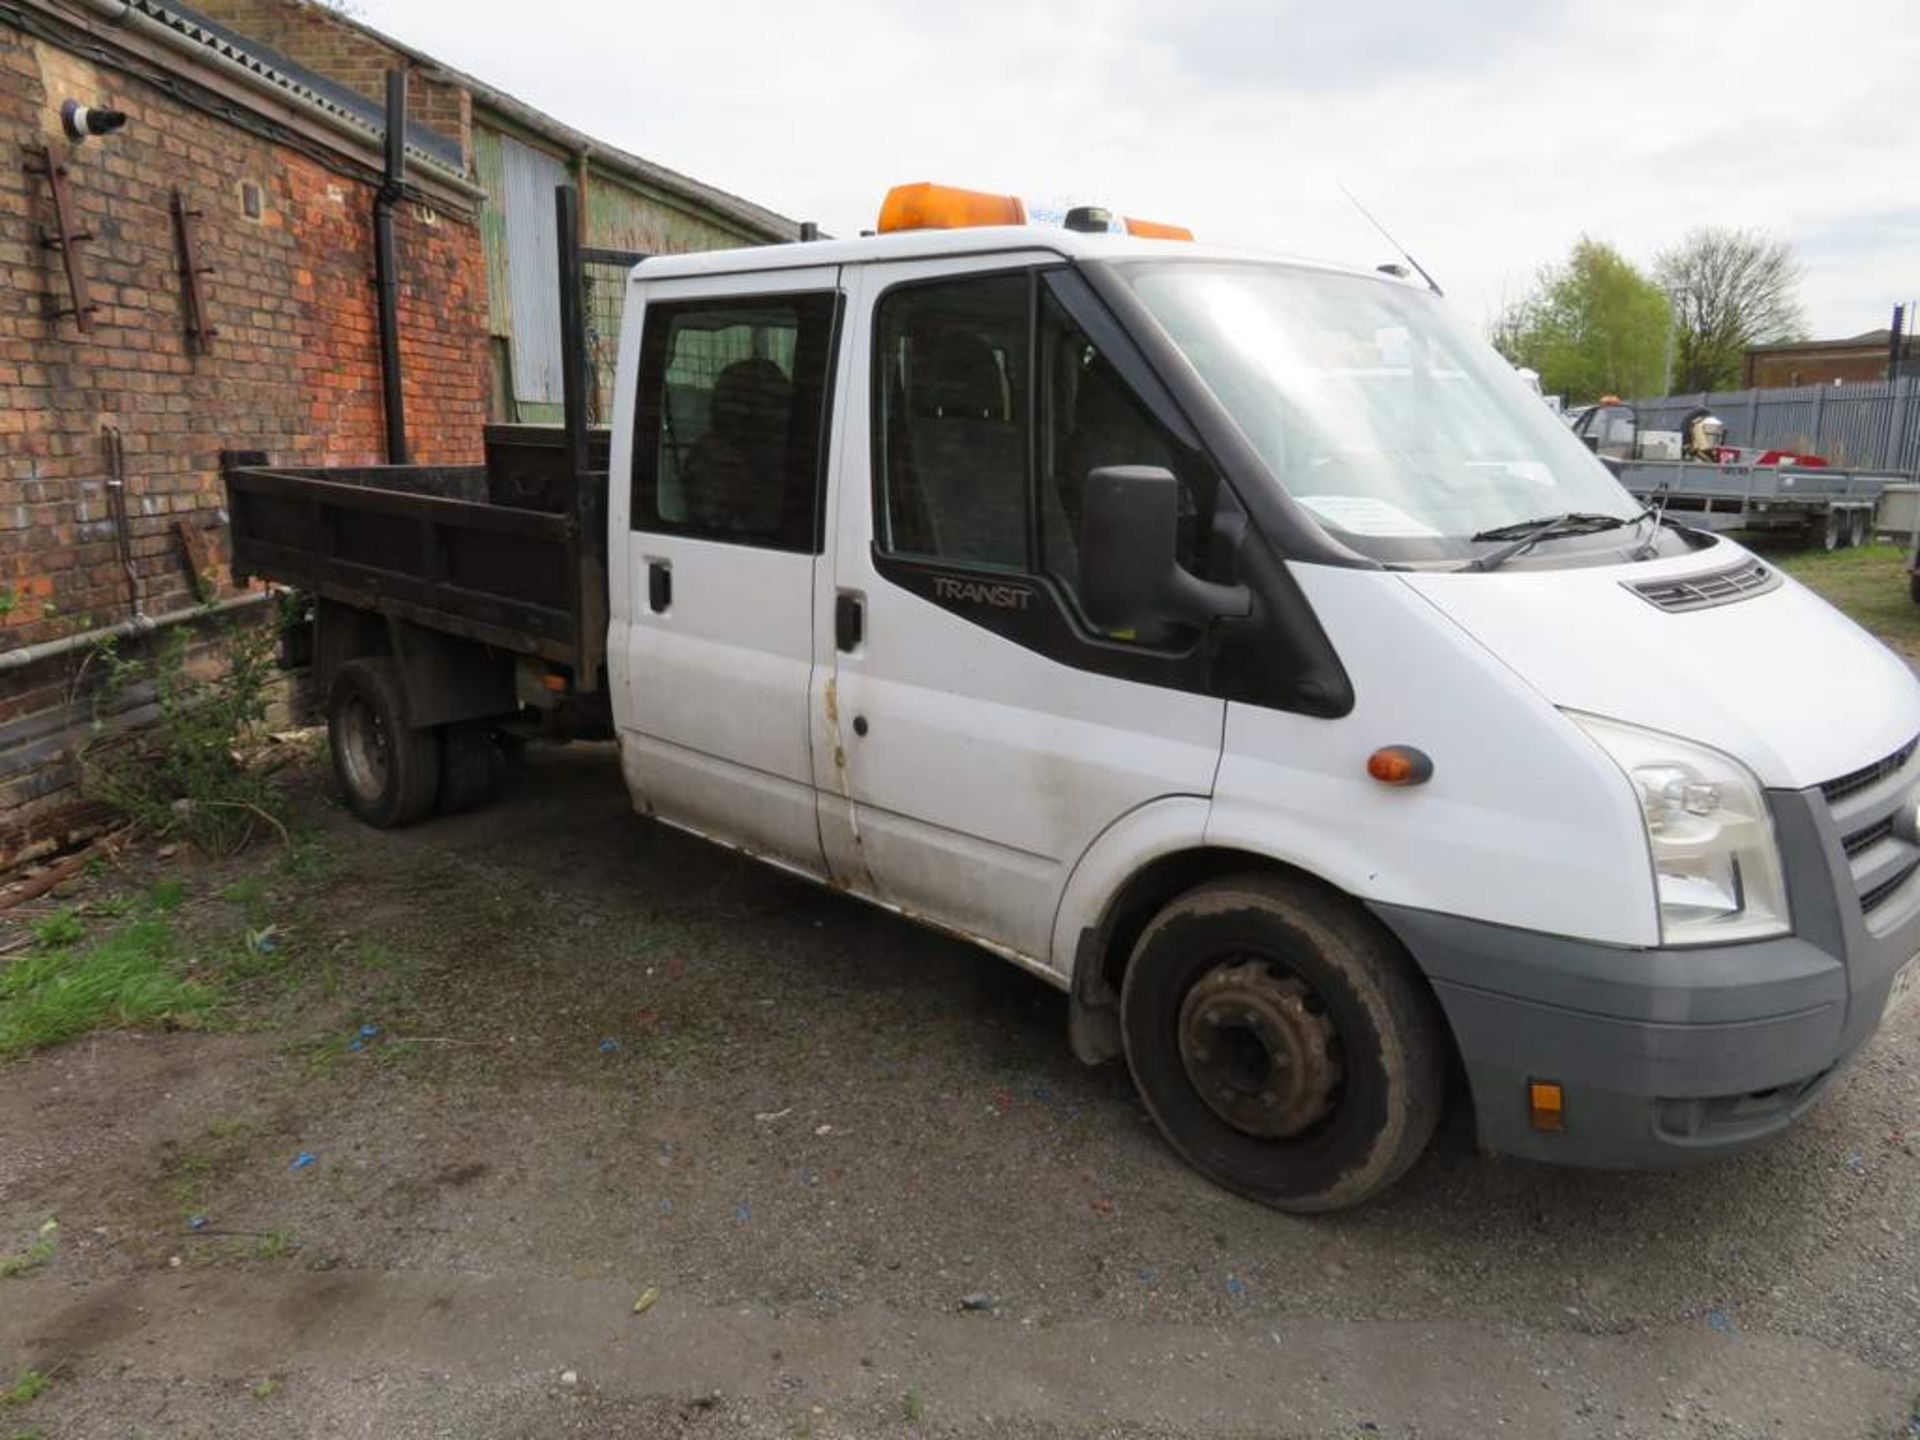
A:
(1203, 602)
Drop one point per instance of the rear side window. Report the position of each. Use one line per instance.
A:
(729, 431)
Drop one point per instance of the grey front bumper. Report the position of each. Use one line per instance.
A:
(1667, 1056)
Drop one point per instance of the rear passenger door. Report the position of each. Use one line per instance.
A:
(726, 518)
(978, 733)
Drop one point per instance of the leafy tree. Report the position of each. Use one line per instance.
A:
(1729, 289)
(1593, 326)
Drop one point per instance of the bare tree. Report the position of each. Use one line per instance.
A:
(1729, 289)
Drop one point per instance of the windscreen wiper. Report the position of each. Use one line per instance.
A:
(1523, 535)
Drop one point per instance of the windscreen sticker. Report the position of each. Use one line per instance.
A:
(1367, 515)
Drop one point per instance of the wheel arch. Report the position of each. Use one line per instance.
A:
(1100, 938)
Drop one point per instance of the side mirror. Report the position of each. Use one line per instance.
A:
(1129, 576)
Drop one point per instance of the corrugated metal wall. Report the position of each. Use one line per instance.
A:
(490, 171)
(528, 179)
(517, 229)
(1869, 425)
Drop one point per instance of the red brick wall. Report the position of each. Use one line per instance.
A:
(294, 371)
(313, 36)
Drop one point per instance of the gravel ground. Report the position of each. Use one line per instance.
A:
(612, 1060)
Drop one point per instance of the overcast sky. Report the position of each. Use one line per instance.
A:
(1487, 134)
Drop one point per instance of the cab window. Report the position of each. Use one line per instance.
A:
(728, 441)
(951, 421)
(992, 406)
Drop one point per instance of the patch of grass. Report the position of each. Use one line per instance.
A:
(1869, 583)
(40, 1252)
(913, 1407)
(30, 1386)
(382, 959)
(265, 1389)
(307, 859)
(193, 1167)
(63, 927)
(274, 1245)
(319, 1056)
(132, 977)
(114, 907)
(248, 892)
(166, 896)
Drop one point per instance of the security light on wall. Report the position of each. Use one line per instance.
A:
(80, 121)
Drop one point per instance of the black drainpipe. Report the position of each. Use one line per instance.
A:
(387, 270)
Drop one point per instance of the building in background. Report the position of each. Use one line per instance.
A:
(201, 278)
(516, 155)
(1825, 362)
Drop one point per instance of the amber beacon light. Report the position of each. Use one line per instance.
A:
(926, 206)
(1155, 230)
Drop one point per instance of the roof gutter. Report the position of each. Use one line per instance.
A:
(124, 15)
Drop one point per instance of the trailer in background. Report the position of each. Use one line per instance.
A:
(1833, 508)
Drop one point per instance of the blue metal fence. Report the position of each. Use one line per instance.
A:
(1869, 425)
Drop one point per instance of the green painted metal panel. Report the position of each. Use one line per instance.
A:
(621, 217)
(491, 169)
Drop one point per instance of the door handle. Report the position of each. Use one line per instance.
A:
(849, 621)
(659, 586)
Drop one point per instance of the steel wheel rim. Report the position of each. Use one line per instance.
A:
(366, 749)
(1260, 1048)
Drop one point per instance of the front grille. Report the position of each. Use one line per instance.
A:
(1872, 900)
(1703, 592)
(1869, 776)
(1865, 839)
(1882, 856)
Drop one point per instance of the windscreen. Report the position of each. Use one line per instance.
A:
(1400, 432)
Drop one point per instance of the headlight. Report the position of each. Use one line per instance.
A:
(1716, 864)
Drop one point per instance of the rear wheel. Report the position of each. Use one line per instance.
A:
(1835, 533)
(469, 768)
(1283, 1043)
(1861, 524)
(388, 771)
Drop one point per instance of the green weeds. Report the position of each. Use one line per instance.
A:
(28, 1387)
(41, 1252)
(187, 774)
(133, 976)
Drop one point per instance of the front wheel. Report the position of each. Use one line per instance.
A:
(1282, 1042)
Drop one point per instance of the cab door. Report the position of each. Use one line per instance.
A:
(726, 521)
(976, 734)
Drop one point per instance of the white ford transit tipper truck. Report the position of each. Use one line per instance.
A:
(1234, 643)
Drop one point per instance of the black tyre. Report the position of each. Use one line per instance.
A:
(1913, 586)
(1283, 1043)
(469, 768)
(388, 771)
(1859, 531)
(1835, 534)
